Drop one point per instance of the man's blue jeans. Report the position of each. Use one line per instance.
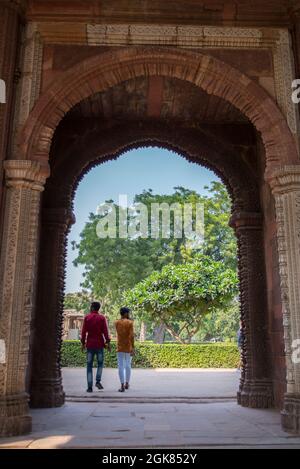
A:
(89, 365)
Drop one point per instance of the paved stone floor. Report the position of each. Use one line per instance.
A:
(107, 424)
(157, 383)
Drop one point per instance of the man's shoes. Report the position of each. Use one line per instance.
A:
(89, 390)
(99, 386)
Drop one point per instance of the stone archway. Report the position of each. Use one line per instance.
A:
(256, 388)
(25, 179)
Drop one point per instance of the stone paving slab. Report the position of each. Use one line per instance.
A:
(186, 383)
(102, 425)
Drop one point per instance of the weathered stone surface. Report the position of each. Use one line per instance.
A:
(46, 384)
(24, 181)
(271, 12)
(285, 183)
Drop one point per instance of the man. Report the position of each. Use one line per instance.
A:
(94, 337)
(125, 347)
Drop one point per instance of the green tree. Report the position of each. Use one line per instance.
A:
(220, 324)
(220, 241)
(181, 295)
(78, 301)
(114, 265)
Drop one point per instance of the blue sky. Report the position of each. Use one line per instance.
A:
(136, 170)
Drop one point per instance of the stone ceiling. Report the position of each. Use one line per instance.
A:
(160, 98)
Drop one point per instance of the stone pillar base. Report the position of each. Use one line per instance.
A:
(290, 415)
(256, 394)
(14, 417)
(47, 393)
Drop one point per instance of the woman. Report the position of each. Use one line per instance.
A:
(125, 347)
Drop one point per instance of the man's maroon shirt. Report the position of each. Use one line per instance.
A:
(94, 332)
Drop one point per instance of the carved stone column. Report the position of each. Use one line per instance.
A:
(10, 20)
(285, 184)
(24, 181)
(256, 388)
(46, 382)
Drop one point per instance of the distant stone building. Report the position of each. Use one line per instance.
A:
(72, 324)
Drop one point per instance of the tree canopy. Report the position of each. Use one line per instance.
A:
(113, 265)
(80, 301)
(116, 265)
(183, 294)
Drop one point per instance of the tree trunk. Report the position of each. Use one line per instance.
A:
(143, 332)
(175, 335)
(159, 334)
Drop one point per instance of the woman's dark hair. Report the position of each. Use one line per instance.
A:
(124, 311)
(95, 306)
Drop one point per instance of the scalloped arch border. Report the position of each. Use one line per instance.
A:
(98, 146)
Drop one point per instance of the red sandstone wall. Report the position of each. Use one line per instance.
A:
(257, 64)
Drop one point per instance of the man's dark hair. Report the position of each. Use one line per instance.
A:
(124, 311)
(95, 306)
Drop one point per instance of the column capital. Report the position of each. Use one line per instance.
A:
(246, 220)
(26, 174)
(284, 180)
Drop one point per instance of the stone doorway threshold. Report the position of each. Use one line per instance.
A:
(149, 400)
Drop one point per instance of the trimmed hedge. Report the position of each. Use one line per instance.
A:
(149, 355)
